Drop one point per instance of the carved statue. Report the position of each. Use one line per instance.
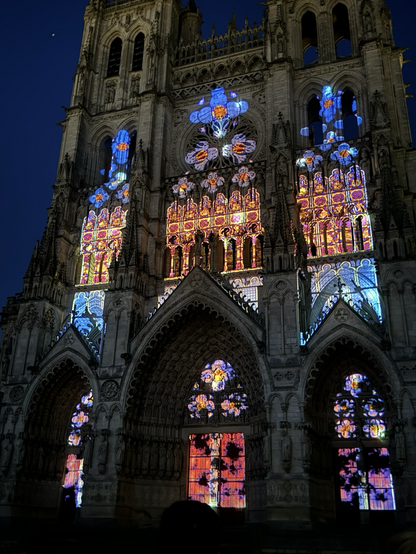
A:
(177, 457)
(286, 452)
(162, 460)
(88, 447)
(213, 243)
(7, 454)
(120, 450)
(199, 237)
(21, 449)
(306, 450)
(40, 456)
(400, 445)
(102, 453)
(146, 454)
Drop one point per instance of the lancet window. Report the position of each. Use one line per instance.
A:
(114, 57)
(365, 479)
(138, 53)
(75, 462)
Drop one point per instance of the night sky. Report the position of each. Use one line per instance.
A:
(41, 42)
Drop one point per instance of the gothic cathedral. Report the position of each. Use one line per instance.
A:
(223, 304)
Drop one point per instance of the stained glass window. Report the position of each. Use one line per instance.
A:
(101, 239)
(219, 389)
(217, 469)
(333, 211)
(234, 221)
(75, 464)
(365, 478)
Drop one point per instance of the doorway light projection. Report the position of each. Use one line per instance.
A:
(365, 478)
(355, 281)
(222, 137)
(219, 389)
(229, 227)
(101, 239)
(333, 210)
(332, 117)
(217, 469)
(75, 463)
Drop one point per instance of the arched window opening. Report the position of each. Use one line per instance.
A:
(349, 115)
(342, 33)
(309, 38)
(217, 460)
(316, 134)
(114, 57)
(78, 438)
(132, 152)
(138, 53)
(106, 156)
(363, 465)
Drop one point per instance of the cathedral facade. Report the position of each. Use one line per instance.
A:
(223, 304)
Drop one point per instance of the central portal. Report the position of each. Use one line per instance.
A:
(217, 469)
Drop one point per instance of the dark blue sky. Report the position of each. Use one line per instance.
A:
(41, 43)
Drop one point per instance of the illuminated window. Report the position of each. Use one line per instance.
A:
(101, 239)
(365, 479)
(75, 464)
(217, 469)
(219, 389)
(309, 38)
(230, 226)
(333, 211)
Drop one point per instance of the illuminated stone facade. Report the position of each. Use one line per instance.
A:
(274, 234)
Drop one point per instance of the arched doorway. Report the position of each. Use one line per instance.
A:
(349, 407)
(196, 407)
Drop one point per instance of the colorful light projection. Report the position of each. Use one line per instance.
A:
(365, 477)
(74, 464)
(208, 395)
(333, 211)
(355, 280)
(217, 469)
(222, 136)
(101, 239)
(332, 117)
(232, 224)
(117, 173)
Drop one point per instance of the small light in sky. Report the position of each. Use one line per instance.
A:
(53, 34)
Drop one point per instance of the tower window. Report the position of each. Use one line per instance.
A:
(114, 59)
(342, 34)
(138, 53)
(349, 115)
(309, 38)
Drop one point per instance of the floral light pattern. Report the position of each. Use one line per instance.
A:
(199, 403)
(309, 160)
(217, 374)
(99, 197)
(212, 182)
(182, 187)
(201, 155)
(239, 148)
(219, 390)
(244, 176)
(123, 194)
(345, 154)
